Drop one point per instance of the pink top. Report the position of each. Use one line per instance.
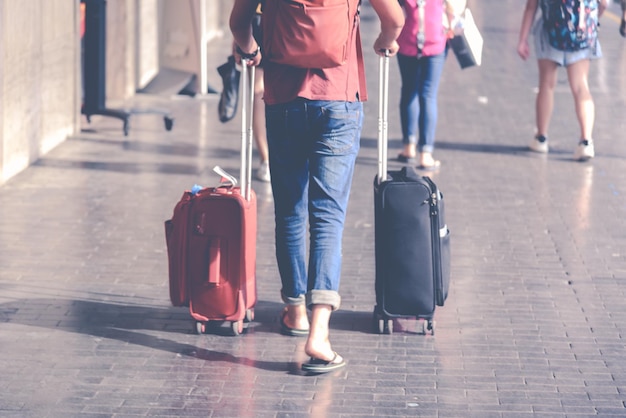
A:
(435, 37)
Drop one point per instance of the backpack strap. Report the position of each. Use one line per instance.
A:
(582, 21)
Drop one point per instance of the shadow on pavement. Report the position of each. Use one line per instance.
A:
(123, 323)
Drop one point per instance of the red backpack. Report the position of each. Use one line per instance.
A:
(309, 33)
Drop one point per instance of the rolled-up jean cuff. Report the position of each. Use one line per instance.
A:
(323, 297)
(298, 300)
(412, 139)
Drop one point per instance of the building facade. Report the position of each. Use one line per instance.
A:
(40, 63)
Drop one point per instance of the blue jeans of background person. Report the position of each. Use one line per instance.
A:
(418, 99)
(313, 147)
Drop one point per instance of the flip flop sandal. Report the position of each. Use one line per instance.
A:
(315, 365)
(404, 159)
(436, 165)
(292, 332)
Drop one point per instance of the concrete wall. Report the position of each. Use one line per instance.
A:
(132, 46)
(147, 41)
(38, 79)
(120, 47)
(40, 75)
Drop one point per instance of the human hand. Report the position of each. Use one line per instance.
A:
(384, 48)
(252, 60)
(523, 50)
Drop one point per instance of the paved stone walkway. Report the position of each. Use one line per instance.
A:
(535, 323)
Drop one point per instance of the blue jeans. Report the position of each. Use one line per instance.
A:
(418, 99)
(313, 147)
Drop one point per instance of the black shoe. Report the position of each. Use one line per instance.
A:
(622, 28)
(227, 106)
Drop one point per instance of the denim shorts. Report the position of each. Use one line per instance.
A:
(544, 50)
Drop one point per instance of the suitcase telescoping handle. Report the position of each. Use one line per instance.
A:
(383, 111)
(247, 93)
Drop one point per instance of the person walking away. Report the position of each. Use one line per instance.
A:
(565, 36)
(422, 54)
(314, 118)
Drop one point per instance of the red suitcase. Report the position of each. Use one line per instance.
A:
(211, 243)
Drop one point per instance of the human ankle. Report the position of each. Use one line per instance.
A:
(426, 158)
(409, 150)
(296, 316)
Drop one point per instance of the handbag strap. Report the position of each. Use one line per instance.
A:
(360, 62)
(359, 50)
(421, 21)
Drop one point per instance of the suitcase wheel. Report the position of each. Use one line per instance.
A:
(385, 326)
(200, 328)
(249, 315)
(382, 325)
(428, 327)
(236, 327)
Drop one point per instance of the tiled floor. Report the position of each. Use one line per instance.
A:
(535, 323)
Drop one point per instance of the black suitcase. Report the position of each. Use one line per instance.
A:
(412, 239)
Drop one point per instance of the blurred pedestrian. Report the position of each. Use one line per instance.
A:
(422, 54)
(314, 119)
(565, 36)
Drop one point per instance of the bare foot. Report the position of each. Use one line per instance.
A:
(295, 317)
(318, 343)
(322, 351)
(427, 161)
(408, 152)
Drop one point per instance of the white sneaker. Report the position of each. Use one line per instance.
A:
(263, 172)
(539, 144)
(584, 150)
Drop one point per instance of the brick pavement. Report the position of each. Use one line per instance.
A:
(534, 324)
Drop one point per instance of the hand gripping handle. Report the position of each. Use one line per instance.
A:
(247, 93)
(383, 113)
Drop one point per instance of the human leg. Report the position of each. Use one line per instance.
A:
(331, 166)
(578, 74)
(545, 97)
(289, 162)
(430, 69)
(313, 148)
(544, 103)
(258, 126)
(337, 128)
(409, 106)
